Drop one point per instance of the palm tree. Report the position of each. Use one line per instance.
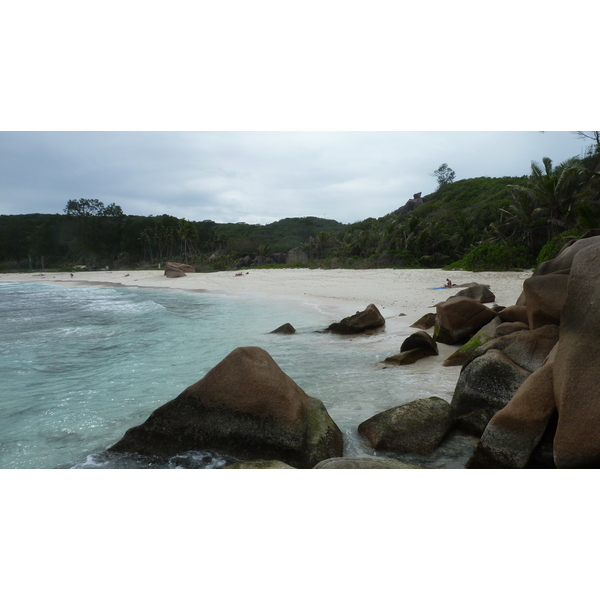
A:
(553, 189)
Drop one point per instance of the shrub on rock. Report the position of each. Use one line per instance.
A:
(246, 406)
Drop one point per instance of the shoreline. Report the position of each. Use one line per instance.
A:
(413, 292)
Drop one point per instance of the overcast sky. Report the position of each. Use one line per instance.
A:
(401, 87)
(255, 177)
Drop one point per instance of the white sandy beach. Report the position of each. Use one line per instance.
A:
(402, 296)
(409, 291)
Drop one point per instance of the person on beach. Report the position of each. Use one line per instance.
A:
(448, 283)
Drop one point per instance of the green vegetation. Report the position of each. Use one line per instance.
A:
(484, 223)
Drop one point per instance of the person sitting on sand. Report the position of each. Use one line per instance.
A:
(448, 283)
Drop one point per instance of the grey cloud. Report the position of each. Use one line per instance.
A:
(254, 176)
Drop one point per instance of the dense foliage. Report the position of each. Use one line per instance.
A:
(474, 224)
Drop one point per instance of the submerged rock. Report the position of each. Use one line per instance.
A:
(287, 329)
(246, 406)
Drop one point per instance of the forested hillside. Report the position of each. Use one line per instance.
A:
(480, 223)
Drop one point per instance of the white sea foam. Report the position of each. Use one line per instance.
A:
(100, 360)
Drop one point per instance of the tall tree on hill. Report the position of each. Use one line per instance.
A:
(444, 175)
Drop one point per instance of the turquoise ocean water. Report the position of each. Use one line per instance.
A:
(81, 365)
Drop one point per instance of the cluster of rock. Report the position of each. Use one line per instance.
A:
(174, 269)
(528, 386)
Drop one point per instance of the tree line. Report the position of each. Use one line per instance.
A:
(483, 222)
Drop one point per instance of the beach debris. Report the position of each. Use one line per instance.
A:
(417, 427)
(370, 318)
(286, 328)
(245, 406)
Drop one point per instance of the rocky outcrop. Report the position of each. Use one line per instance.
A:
(411, 204)
(577, 366)
(245, 406)
(352, 462)
(370, 318)
(173, 269)
(527, 348)
(417, 427)
(544, 298)
(286, 329)
(458, 319)
(513, 433)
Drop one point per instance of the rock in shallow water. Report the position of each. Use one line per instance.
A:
(417, 427)
(246, 406)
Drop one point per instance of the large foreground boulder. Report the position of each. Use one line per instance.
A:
(486, 384)
(577, 366)
(545, 297)
(370, 318)
(418, 426)
(245, 406)
(513, 433)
